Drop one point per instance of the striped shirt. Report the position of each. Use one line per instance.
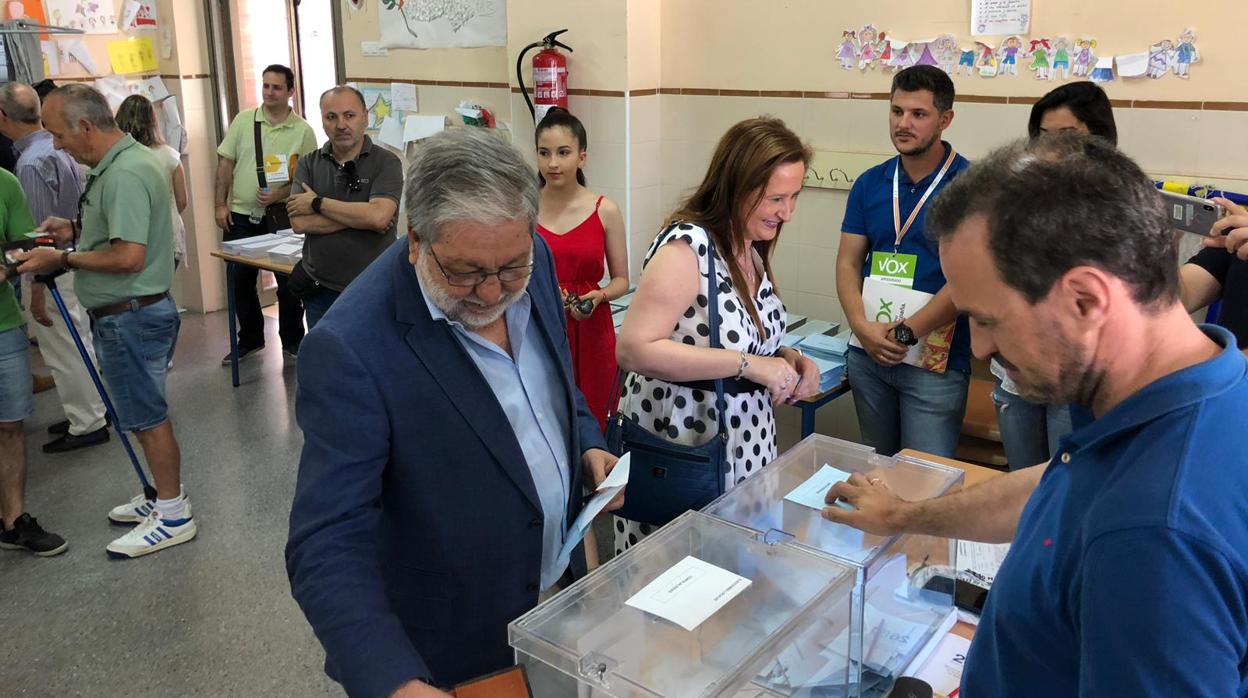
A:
(50, 178)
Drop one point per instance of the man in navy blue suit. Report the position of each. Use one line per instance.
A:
(446, 447)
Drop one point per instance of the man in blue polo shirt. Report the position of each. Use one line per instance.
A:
(1128, 572)
(883, 247)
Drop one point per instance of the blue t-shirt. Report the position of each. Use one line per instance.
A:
(1128, 575)
(870, 213)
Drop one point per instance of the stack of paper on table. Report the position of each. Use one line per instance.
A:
(289, 252)
(829, 354)
(254, 247)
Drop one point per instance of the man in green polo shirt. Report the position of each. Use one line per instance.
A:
(241, 201)
(19, 531)
(124, 264)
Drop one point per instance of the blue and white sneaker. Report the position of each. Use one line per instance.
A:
(137, 509)
(152, 535)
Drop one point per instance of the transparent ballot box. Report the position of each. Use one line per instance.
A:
(703, 607)
(903, 589)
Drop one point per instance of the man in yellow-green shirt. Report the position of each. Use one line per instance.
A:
(241, 201)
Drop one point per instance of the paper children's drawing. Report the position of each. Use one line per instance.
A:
(885, 50)
(1133, 65)
(848, 51)
(921, 52)
(966, 60)
(1083, 58)
(1159, 56)
(947, 53)
(91, 16)
(1039, 52)
(902, 57)
(1103, 70)
(987, 60)
(1185, 54)
(1011, 46)
(868, 46)
(1061, 58)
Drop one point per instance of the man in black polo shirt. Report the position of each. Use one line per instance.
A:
(1220, 272)
(345, 197)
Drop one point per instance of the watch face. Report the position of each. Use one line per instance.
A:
(905, 335)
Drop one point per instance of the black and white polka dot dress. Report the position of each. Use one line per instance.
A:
(686, 416)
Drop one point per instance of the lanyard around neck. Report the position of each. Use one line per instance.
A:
(898, 228)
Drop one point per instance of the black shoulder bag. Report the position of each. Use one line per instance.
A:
(275, 216)
(668, 479)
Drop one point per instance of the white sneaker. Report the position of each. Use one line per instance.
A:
(153, 534)
(137, 509)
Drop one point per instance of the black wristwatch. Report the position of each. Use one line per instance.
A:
(316, 204)
(904, 335)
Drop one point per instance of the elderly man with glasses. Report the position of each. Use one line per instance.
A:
(446, 446)
(346, 195)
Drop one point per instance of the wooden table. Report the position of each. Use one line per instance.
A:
(231, 264)
(975, 474)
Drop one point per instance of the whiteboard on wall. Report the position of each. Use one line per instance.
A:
(443, 23)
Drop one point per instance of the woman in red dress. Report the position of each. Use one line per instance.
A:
(583, 229)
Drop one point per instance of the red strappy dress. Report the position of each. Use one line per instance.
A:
(580, 256)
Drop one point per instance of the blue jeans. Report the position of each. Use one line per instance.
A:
(133, 351)
(904, 406)
(315, 307)
(16, 401)
(1030, 432)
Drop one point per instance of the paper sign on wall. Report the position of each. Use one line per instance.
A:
(93, 17)
(133, 55)
(997, 17)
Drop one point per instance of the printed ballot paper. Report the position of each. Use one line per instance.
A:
(689, 592)
(813, 492)
(614, 483)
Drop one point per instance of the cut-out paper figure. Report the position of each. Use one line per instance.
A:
(868, 40)
(1104, 70)
(1061, 58)
(848, 52)
(1084, 58)
(987, 62)
(1159, 58)
(1010, 48)
(904, 55)
(1039, 52)
(922, 54)
(1185, 54)
(966, 59)
(885, 49)
(946, 51)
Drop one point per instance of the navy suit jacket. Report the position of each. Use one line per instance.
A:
(416, 530)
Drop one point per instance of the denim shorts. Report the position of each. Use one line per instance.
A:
(133, 351)
(16, 401)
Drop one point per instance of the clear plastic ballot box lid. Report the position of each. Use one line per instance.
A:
(588, 641)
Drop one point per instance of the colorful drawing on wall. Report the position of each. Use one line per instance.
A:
(847, 53)
(869, 40)
(30, 9)
(379, 102)
(1061, 58)
(966, 59)
(443, 23)
(1039, 53)
(1159, 56)
(945, 48)
(1011, 46)
(91, 16)
(1186, 53)
(1084, 58)
(987, 62)
(1104, 70)
(904, 55)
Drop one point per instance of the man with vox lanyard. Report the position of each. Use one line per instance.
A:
(264, 142)
(124, 264)
(909, 365)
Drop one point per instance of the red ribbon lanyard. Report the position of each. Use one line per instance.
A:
(900, 229)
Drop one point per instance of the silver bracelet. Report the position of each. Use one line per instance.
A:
(745, 363)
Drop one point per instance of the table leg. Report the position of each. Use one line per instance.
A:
(808, 418)
(229, 309)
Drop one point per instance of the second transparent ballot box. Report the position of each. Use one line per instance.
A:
(700, 608)
(903, 587)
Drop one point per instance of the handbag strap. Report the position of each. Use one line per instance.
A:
(712, 295)
(264, 182)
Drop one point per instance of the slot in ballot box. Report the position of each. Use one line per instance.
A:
(903, 586)
(652, 623)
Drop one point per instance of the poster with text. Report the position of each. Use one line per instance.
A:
(1000, 17)
(443, 23)
(91, 16)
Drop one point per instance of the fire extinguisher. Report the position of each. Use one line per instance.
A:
(550, 75)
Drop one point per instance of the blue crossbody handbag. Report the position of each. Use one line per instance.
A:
(667, 479)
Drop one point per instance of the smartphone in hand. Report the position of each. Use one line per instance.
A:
(1191, 214)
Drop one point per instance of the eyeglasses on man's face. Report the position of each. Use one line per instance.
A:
(476, 278)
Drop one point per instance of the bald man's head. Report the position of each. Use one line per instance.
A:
(19, 102)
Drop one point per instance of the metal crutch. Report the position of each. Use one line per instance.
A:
(50, 281)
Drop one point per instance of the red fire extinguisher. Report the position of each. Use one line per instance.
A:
(550, 75)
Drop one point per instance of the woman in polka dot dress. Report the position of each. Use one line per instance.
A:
(749, 192)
